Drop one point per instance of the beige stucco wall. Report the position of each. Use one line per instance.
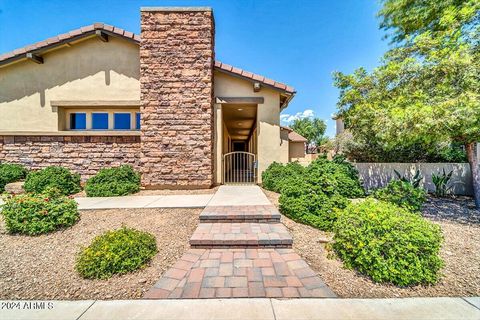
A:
(296, 151)
(269, 144)
(88, 70)
(284, 146)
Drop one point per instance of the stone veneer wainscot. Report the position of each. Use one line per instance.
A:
(82, 154)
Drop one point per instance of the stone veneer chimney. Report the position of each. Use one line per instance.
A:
(176, 85)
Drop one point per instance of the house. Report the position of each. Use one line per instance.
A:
(102, 96)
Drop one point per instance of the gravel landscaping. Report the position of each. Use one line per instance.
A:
(42, 267)
(461, 252)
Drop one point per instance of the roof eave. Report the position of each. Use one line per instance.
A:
(89, 32)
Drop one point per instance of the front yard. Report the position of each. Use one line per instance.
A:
(460, 225)
(43, 267)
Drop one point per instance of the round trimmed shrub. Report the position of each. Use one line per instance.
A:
(334, 178)
(277, 175)
(53, 177)
(315, 209)
(34, 214)
(388, 243)
(11, 172)
(111, 182)
(403, 194)
(116, 252)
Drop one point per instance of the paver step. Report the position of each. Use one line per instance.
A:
(241, 235)
(239, 273)
(264, 213)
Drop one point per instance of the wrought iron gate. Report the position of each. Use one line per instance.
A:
(239, 167)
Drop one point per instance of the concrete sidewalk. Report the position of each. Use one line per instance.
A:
(274, 309)
(160, 201)
(225, 196)
(239, 196)
(126, 202)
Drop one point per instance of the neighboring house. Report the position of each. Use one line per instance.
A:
(99, 96)
(296, 144)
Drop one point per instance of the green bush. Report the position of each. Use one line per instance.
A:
(11, 172)
(111, 182)
(313, 195)
(334, 178)
(56, 177)
(278, 175)
(388, 243)
(315, 209)
(403, 194)
(34, 214)
(116, 252)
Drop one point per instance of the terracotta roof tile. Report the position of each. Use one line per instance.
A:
(87, 28)
(63, 36)
(295, 137)
(75, 32)
(119, 31)
(236, 70)
(269, 81)
(258, 77)
(87, 31)
(252, 76)
(108, 27)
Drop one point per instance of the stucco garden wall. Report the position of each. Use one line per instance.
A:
(82, 154)
(376, 175)
(296, 151)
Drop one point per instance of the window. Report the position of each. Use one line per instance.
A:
(121, 121)
(100, 121)
(78, 121)
(137, 120)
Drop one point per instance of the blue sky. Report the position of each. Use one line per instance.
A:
(296, 42)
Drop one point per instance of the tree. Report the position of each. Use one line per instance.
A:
(312, 129)
(427, 88)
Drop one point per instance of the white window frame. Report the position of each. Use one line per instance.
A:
(110, 111)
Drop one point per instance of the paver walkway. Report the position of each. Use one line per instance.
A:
(240, 249)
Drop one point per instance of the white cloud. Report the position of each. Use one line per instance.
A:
(287, 119)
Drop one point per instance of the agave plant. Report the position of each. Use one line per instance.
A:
(441, 183)
(414, 181)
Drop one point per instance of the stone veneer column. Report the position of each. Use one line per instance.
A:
(176, 84)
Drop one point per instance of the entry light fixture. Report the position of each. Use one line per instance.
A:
(239, 123)
(239, 109)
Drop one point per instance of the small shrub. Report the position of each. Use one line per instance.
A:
(388, 243)
(441, 182)
(111, 182)
(116, 252)
(316, 210)
(414, 181)
(277, 175)
(34, 214)
(57, 177)
(11, 172)
(402, 194)
(334, 178)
